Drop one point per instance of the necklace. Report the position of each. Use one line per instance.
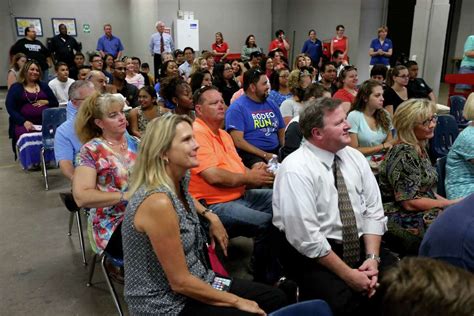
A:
(123, 145)
(36, 95)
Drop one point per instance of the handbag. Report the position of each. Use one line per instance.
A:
(216, 265)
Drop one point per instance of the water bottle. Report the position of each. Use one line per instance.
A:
(273, 164)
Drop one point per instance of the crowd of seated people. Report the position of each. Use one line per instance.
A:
(354, 170)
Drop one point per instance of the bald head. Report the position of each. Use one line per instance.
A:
(98, 79)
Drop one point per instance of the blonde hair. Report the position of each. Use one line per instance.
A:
(150, 167)
(468, 112)
(15, 60)
(383, 28)
(295, 64)
(196, 66)
(408, 115)
(94, 107)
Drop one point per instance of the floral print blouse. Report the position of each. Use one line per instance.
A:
(113, 171)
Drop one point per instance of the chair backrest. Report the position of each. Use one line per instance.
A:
(457, 107)
(445, 134)
(441, 169)
(52, 118)
(312, 307)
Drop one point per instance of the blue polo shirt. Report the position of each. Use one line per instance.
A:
(386, 46)
(66, 143)
(313, 49)
(110, 45)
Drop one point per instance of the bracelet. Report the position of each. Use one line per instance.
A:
(207, 210)
(372, 256)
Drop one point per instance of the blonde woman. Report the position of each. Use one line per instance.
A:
(407, 175)
(298, 81)
(162, 235)
(199, 64)
(102, 168)
(18, 61)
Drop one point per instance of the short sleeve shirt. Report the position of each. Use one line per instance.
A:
(469, 45)
(459, 170)
(385, 46)
(214, 151)
(260, 122)
(366, 136)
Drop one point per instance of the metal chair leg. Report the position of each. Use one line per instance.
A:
(91, 270)
(45, 171)
(111, 287)
(81, 237)
(71, 220)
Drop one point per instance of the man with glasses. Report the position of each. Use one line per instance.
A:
(129, 91)
(185, 68)
(255, 124)
(97, 63)
(66, 143)
(222, 180)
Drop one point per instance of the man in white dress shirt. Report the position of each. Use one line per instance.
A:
(160, 42)
(306, 208)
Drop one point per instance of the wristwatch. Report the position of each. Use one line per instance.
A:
(372, 256)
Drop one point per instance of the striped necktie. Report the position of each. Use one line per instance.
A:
(350, 236)
(162, 43)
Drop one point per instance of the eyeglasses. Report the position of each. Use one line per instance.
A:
(252, 75)
(427, 122)
(227, 68)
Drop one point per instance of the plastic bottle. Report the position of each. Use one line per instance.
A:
(273, 164)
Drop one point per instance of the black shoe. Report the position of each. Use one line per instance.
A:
(290, 288)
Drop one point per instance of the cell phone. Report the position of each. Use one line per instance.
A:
(221, 283)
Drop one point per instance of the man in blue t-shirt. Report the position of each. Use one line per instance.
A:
(255, 124)
(66, 143)
(451, 236)
(109, 44)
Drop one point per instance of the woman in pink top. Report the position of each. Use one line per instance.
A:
(340, 42)
(347, 93)
(220, 48)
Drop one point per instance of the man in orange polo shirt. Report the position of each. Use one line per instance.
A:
(221, 179)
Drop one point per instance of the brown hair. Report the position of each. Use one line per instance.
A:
(382, 118)
(393, 72)
(24, 71)
(424, 287)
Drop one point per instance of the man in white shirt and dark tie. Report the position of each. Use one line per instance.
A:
(160, 42)
(327, 203)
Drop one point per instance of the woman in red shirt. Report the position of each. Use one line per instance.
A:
(347, 93)
(220, 48)
(340, 42)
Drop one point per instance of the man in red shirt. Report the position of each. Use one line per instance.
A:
(280, 42)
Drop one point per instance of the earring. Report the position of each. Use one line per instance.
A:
(166, 161)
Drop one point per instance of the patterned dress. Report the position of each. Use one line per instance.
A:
(405, 175)
(113, 171)
(147, 290)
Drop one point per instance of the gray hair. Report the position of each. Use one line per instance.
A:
(313, 115)
(159, 22)
(93, 73)
(73, 92)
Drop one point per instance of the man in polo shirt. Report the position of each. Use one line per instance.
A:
(185, 68)
(221, 179)
(109, 44)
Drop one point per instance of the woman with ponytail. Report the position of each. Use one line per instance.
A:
(298, 81)
(397, 91)
(370, 124)
(103, 167)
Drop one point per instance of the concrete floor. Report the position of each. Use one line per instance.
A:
(41, 270)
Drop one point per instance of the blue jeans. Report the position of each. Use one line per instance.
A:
(251, 216)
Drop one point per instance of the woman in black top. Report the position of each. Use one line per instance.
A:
(397, 91)
(224, 81)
